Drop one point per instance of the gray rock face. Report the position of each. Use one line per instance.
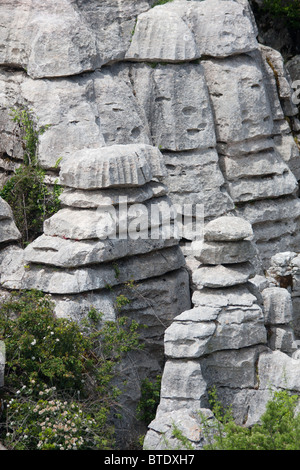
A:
(8, 229)
(223, 253)
(66, 39)
(198, 30)
(115, 166)
(227, 229)
(216, 343)
(222, 276)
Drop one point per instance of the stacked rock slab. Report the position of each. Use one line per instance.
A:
(116, 228)
(231, 339)
(284, 272)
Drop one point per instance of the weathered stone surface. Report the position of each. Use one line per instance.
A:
(227, 228)
(247, 147)
(271, 230)
(152, 219)
(73, 281)
(223, 276)
(180, 117)
(263, 211)
(64, 253)
(80, 225)
(223, 252)
(197, 29)
(289, 151)
(182, 379)
(277, 370)
(187, 339)
(234, 296)
(8, 229)
(196, 176)
(115, 166)
(236, 368)
(92, 199)
(235, 118)
(161, 35)
(121, 118)
(12, 267)
(259, 164)
(238, 327)
(293, 67)
(283, 81)
(278, 306)
(160, 435)
(261, 188)
(282, 338)
(51, 40)
(198, 314)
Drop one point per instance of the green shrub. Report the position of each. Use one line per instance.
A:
(150, 395)
(279, 428)
(161, 2)
(287, 10)
(56, 361)
(30, 198)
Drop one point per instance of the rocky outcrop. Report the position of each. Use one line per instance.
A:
(170, 93)
(8, 229)
(179, 109)
(237, 338)
(88, 256)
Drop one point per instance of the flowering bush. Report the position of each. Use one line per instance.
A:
(51, 423)
(58, 392)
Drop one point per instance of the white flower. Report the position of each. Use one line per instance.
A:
(33, 342)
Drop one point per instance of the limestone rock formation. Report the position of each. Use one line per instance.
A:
(179, 109)
(237, 337)
(88, 256)
(8, 229)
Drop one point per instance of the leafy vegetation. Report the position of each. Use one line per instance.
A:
(58, 391)
(161, 2)
(287, 10)
(27, 193)
(150, 395)
(279, 428)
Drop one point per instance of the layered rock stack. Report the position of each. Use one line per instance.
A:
(116, 228)
(8, 230)
(114, 82)
(231, 339)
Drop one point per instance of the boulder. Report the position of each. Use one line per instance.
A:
(227, 229)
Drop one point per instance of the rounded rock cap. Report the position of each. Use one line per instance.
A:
(228, 228)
